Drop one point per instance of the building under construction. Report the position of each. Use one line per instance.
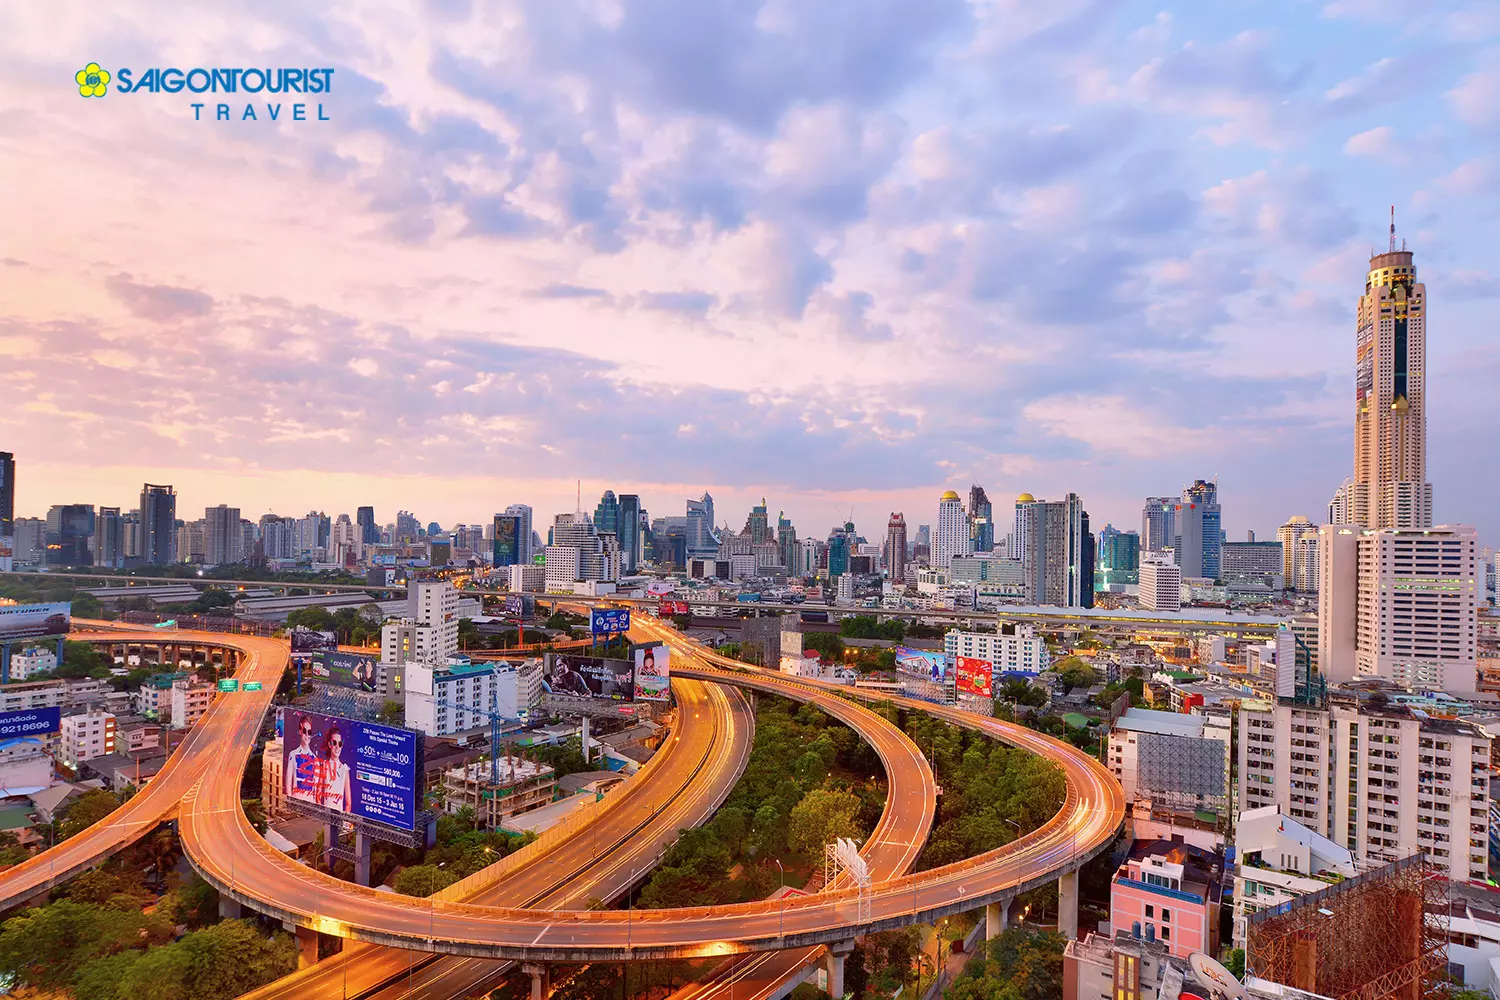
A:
(1377, 935)
(524, 785)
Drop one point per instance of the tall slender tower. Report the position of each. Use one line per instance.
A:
(1390, 488)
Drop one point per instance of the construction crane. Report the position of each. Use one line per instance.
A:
(493, 714)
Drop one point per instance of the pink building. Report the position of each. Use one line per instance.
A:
(1170, 892)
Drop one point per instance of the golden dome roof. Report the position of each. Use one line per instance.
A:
(1025, 498)
(950, 495)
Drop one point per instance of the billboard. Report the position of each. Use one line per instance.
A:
(350, 670)
(520, 604)
(30, 621)
(666, 609)
(653, 673)
(30, 722)
(975, 677)
(590, 677)
(305, 640)
(609, 621)
(358, 768)
(929, 663)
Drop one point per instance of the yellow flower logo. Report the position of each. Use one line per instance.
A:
(92, 81)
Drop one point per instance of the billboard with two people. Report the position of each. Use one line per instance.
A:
(364, 770)
(349, 670)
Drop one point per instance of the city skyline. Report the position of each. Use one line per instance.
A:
(1135, 270)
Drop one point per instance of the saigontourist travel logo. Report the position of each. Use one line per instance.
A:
(275, 91)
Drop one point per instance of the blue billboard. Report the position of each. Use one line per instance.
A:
(30, 722)
(609, 621)
(359, 768)
(927, 662)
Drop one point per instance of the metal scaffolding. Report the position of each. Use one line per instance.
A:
(1378, 935)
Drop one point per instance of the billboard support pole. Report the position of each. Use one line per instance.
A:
(362, 850)
(60, 646)
(4, 663)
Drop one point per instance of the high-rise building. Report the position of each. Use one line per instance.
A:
(344, 543)
(523, 511)
(1057, 556)
(223, 539)
(369, 531)
(1338, 601)
(7, 493)
(951, 537)
(1020, 528)
(1157, 527)
(1390, 488)
(109, 538)
(1252, 563)
(1338, 504)
(629, 532)
(1161, 583)
(757, 524)
(1119, 551)
(786, 541)
(70, 535)
(1305, 572)
(895, 547)
(277, 536)
(702, 539)
(158, 525)
(840, 548)
(607, 513)
(1199, 534)
(981, 520)
(1295, 528)
(508, 545)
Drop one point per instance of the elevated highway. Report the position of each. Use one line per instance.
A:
(223, 847)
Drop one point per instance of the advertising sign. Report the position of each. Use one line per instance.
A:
(305, 640)
(520, 604)
(29, 621)
(975, 677)
(666, 609)
(609, 621)
(507, 547)
(927, 662)
(653, 673)
(350, 670)
(359, 768)
(591, 677)
(30, 722)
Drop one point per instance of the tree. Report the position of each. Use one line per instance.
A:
(424, 880)
(769, 834)
(46, 947)
(391, 713)
(825, 644)
(693, 872)
(88, 809)
(730, 825)
(822, 816)
(1020, 964)
(1235, 962)
(216, 963)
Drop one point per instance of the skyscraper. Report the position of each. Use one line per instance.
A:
(109, 538)
(702, 540)
(1199, 534)
(951, 536)
(981, 520)
(895, 547)
(1020, 526)
(369, 531)
(1057, 560)
(1157, 527)
(629, 532)
(70, 534)
(7, 493)
(786, 540)
(223, 539)
(508, 545)
(1290, 534)
(757, 525)
(528, 548)
(607, 513)
(1390, 488)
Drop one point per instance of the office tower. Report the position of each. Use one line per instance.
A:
(1199, 536)
(1119, 551)
(344, 542)
(1252, 564)
(702, 540)
(951, 537)
(1161, 583)
(277, 537)
(1390, 488)
(1020, 527)
(369, 531)
(1418, 604)
(507, 543)
(757, 524)
(223, 539)
(981, 520)
(7, 493)
(1295, 529)
(528, 546)
(130, 536)
(840, 547)
(786, 542)
(579, 549)
(1057, 558)
(109, 538)
(407, 528)
(70, 535)
(1158, 529)
(895, 547)
(607, 513)
(158, 523)
(629, 532)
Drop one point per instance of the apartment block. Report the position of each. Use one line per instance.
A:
(85, 736)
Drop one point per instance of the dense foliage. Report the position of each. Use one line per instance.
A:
(1021, 964)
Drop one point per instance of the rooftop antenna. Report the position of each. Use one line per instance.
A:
(580, 495)
(1393, 229)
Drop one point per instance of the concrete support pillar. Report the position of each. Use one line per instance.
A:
(307, 947)
(1067, 905)
(230, 909)
(362, 845)
(837, 952)
(4, 663)
(996, 918)
(541, 979)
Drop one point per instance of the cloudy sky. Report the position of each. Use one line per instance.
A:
(843, 253)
